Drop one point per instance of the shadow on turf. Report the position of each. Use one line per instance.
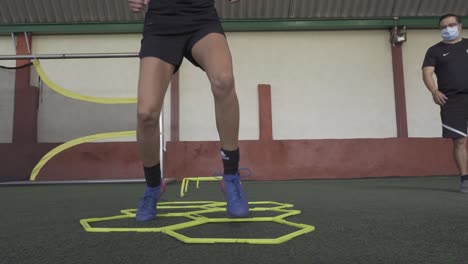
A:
(422, 188)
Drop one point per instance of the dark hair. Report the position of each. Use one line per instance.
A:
(450, 15)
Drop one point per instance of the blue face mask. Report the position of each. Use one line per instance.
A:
(450, 33)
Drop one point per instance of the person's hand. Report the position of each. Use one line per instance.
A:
(137, 5)
(439, 98)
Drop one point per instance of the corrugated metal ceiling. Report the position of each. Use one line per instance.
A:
(92, 11)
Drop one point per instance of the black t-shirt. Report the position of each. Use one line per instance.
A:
(174, 17)
(451, 66)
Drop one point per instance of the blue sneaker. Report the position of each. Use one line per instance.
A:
(147, 208)
(464, 186)
(237, 205)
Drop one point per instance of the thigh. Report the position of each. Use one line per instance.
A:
(155, 75)
(454, 117)
(212, 54)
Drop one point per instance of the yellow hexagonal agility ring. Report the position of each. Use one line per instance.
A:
(196, 214)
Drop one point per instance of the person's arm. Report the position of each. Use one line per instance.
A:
(137, 5)
(438, 96)
(233, 1)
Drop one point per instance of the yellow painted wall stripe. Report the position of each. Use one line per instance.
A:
(78, 96)
(73, 143)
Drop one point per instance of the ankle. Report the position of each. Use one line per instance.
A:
(153, 175)
(230, 160)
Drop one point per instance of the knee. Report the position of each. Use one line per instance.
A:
(222, 84)
(148, 119)
(459, 143)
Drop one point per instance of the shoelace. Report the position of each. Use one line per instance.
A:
(236, 191)
(147, 200)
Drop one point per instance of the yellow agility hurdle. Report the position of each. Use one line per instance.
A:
(186, 181)
(197, 180)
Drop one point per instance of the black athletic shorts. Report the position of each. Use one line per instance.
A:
(173, 27)
(454, 115)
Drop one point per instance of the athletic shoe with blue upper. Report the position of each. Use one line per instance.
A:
(147, 208)
(464, 186)
(237, 204)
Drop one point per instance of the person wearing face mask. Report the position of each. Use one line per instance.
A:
(449, 61)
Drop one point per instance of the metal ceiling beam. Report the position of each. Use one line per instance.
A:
(232, 26)
(70, 56)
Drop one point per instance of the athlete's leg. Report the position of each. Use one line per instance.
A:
(213, 55)
(154, 79)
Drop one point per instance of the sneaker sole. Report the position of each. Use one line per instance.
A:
(238, 216)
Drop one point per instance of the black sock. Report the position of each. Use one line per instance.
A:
(230, 161)
(153, 175)
(464, 178)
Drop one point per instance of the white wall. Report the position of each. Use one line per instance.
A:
(7, 88)
(324, 85)
(423, 114)
(197, 118)
(62, 119)
(335, 84)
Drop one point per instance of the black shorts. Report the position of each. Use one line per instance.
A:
(170, 31)
(454, 115)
